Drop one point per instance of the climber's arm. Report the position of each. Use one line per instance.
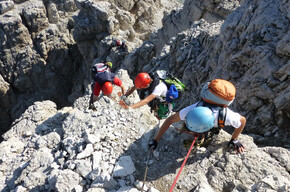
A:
(234, 143)
(170, 120)
(123, 89)
(130, 91)
(143, 102)
(238, 131)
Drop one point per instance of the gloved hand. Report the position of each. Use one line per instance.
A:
(236, 145)
(152, 145)
(123, 97)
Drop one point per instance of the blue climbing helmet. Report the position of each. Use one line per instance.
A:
(199, 119)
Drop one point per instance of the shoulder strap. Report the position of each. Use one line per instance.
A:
(222, 117)
(167, 84)
(202, 103)
(155, 82)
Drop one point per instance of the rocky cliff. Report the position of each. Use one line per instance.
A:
(249, 48)
(76, 149)
(47, 49)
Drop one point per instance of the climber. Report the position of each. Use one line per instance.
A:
(121, 44)
(155, 89)
(103, 80)
(205, 115)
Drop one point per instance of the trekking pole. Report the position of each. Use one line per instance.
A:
(175, 180)
(147, 164)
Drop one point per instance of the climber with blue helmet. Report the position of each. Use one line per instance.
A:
(208, 114)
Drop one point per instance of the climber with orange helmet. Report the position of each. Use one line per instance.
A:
(103, 81)
(207, 116)
(149, 85)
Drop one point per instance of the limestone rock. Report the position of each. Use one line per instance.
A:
(199, 54)
(35, 17)
(48, 47)
(124, 167)
(63, 180)
(6, 6)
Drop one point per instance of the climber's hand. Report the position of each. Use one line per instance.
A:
(123, 104)
(236, 145)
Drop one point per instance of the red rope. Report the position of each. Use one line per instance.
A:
(172, 187)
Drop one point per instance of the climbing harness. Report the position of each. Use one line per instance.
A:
(203, 139)
(184, 131)
(175, 180)
(147, 164)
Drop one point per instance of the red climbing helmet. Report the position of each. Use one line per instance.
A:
(142, 80)
(107, 88)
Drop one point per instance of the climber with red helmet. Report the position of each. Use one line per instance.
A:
(120, 44)
(103, 81)
(142, 80)
(207, 116)
(151, 86)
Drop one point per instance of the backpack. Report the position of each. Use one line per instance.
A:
(103, 77)
(162, 110)
(98, 68)
(170, 79)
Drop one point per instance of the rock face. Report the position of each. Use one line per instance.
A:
(247, 48)
(47, 47)
(76, 149)
(36, 60)
(181, 20)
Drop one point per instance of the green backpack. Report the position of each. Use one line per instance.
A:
(169, 79)
(163, 111)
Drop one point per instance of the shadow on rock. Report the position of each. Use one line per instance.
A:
(166, 160)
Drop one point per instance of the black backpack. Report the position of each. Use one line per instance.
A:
(103, 77)
(165, 77)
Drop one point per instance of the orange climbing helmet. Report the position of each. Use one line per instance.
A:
(107, 88)
(142, 80)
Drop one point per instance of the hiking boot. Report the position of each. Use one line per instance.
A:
(92, 107)
(200, 140)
